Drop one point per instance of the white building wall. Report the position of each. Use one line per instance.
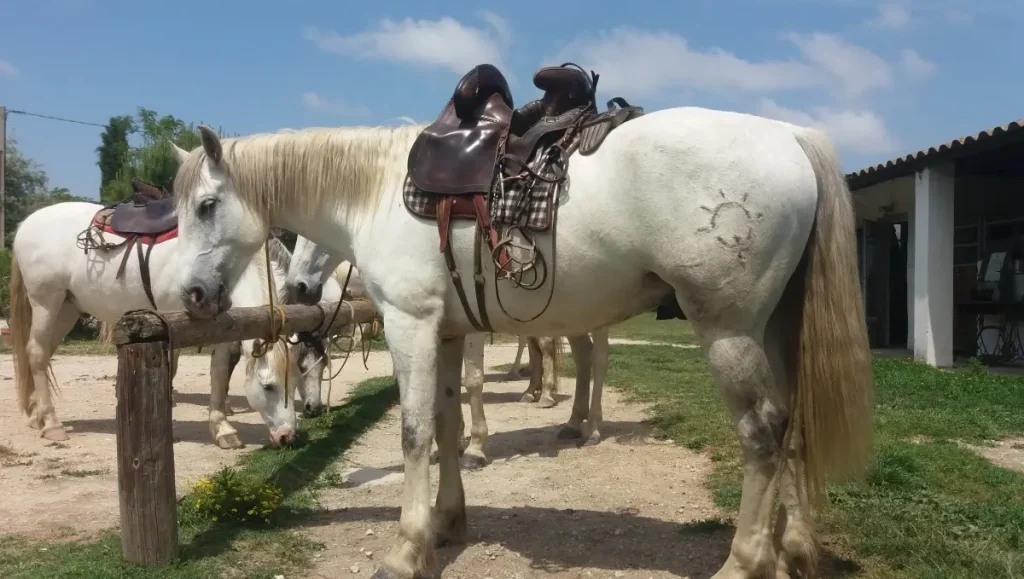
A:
(931, 226)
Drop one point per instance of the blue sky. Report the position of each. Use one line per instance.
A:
(883, 77)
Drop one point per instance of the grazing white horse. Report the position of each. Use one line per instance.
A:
(747, 221)
(312, 266)
(53, 283)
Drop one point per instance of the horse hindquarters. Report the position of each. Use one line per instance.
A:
(36, 330)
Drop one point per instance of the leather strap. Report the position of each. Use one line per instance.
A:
(144, 270)
(128, 245)
(443, 218)
(478, 279)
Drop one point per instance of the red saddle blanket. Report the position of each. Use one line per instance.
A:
(101, 221)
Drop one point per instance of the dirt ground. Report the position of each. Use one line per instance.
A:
(543, 507)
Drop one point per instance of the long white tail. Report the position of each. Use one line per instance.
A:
(834, 384)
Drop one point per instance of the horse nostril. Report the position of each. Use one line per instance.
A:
(302, 288)
(197, 294)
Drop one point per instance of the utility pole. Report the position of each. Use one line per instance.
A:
(3, 161)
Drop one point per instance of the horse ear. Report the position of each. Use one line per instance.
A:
(211, 144)
(182, 154)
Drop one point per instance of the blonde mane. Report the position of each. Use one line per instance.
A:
(304, 169)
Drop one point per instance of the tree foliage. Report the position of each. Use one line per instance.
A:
(153, 159)
(27, 189)
(113, 148)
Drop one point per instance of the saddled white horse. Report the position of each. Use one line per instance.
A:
(53, 283)
(747, 221)
(312, 266)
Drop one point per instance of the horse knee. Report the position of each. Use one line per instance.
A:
(743, 373)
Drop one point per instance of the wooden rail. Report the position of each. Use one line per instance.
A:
(145, 441)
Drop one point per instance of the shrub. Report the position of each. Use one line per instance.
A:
(5, 282)
(226, 496)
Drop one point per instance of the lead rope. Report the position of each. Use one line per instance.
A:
(260, 348)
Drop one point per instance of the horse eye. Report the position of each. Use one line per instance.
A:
(206, 207)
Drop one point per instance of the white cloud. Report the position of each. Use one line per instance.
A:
(915, 65)
(8, 69)
(317, 103)
(444, 43)
(641, 62)
(859, 131)
(892, 16)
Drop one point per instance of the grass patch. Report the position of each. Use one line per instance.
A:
(930, 507)
(225, 549)
(645, 327)
(77, 473)
(706, 526)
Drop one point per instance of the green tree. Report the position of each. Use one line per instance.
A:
(153, 160)
(27, 189)
(113, 148)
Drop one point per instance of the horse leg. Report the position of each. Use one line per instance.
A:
(740, 366)
(582, 352)
(50, 323)
(513, 373)
(549, 370)
(414, 350)
(235, 351)
(530, 395)
(223, 359)
(473, 359)
(174, 372)
(600, 366)
(450, 507)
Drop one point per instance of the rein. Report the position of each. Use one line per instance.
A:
(261, 347)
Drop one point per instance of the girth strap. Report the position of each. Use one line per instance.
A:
(144, 269)
(134, 242)
(444, 209)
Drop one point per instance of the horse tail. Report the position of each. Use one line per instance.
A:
(834, 390)
(21, 325)
(106, 333)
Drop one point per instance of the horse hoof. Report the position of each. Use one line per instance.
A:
(230, 442)
(473, 461)
(56, 434)
(593, 440)
(527, 398)
(546, 402)
(569, 433)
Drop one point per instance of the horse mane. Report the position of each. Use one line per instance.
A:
(303, 169)
(279, 253)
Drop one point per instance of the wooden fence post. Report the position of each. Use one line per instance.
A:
(145, 454)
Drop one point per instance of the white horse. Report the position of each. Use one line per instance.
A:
(312, 266)
(53, 283)
(747, 221)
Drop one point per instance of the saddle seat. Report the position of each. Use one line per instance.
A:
(150, 211)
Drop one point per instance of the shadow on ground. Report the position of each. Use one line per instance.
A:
(559, 540)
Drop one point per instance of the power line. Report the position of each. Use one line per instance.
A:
(53, 118)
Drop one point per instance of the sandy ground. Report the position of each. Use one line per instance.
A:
(70, 489)
(542, 507)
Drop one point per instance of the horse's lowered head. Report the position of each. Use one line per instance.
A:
(271, 382)
(216, 230)
(310, 268)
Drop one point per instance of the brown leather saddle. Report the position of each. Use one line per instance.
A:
(484, 160)
(148, 217)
